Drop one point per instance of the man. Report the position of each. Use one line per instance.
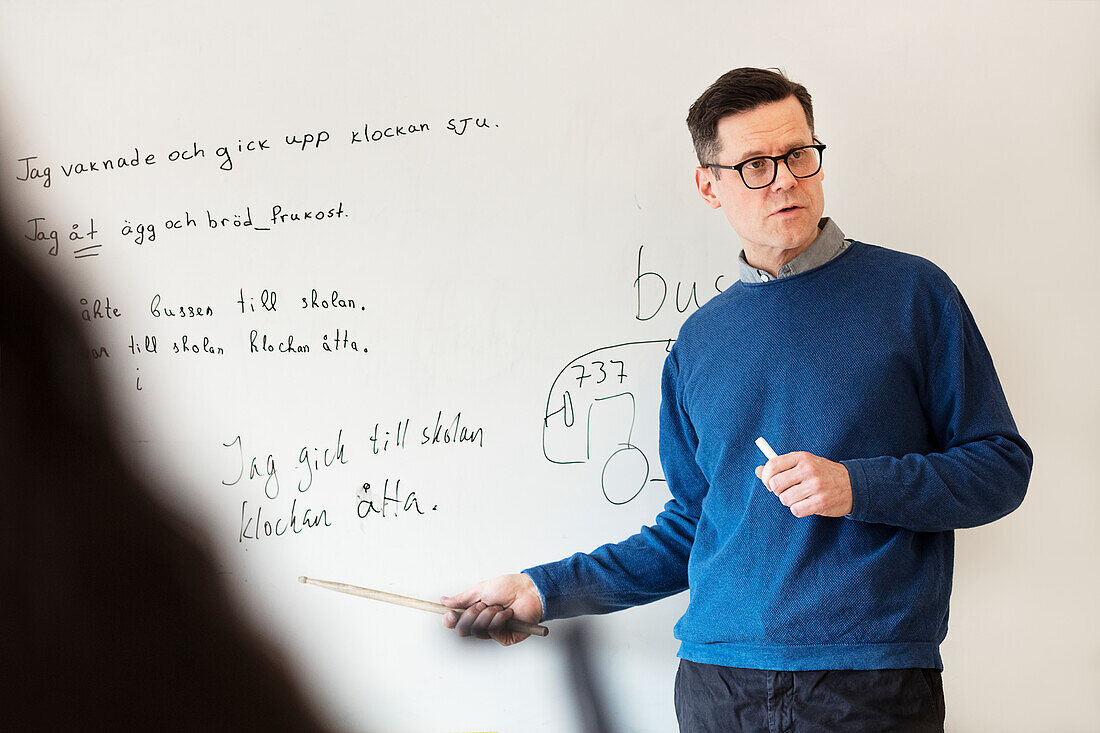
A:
(819, 580)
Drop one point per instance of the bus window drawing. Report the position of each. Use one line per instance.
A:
(594, 406)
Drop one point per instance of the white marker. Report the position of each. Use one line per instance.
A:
(765, 448)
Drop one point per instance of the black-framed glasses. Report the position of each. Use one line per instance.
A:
(760, 172)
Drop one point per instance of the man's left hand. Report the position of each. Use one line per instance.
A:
(808, 484)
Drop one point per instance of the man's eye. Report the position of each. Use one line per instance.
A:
(755, 164)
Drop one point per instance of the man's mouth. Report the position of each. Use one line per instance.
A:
(787, 209)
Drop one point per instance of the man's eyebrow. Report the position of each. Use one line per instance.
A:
(759, 153)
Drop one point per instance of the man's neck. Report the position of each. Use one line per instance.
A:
(770, 259)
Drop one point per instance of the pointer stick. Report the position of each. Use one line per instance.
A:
(378, 595)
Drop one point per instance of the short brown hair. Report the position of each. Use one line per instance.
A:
(739, 90)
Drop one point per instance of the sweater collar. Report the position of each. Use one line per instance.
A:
(828, 244)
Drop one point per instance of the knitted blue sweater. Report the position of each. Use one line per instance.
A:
(873, 360)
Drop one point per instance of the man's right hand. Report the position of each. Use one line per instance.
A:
(490, 604)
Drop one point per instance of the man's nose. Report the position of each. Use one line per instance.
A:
(783, 177)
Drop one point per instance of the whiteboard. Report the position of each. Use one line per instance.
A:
(382, 294)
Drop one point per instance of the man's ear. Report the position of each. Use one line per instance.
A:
(705, 182)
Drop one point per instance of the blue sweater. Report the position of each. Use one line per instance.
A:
(872, 360)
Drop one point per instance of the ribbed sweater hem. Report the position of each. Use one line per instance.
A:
(901, 655)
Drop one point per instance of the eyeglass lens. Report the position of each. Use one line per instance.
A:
(760, 172)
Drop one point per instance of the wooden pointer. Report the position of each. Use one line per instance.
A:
(379, 595)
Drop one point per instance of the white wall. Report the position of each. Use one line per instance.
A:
(482, 264)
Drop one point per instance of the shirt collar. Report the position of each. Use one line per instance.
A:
(828, 244)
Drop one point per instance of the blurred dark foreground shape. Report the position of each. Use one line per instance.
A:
(113, 615)
(588, 691)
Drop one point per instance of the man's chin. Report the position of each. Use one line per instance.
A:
(796, 235)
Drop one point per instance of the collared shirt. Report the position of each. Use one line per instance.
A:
(828, 244)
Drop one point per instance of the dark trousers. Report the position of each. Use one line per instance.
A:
(714, 699)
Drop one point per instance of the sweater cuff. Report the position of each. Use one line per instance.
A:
(861, 490)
